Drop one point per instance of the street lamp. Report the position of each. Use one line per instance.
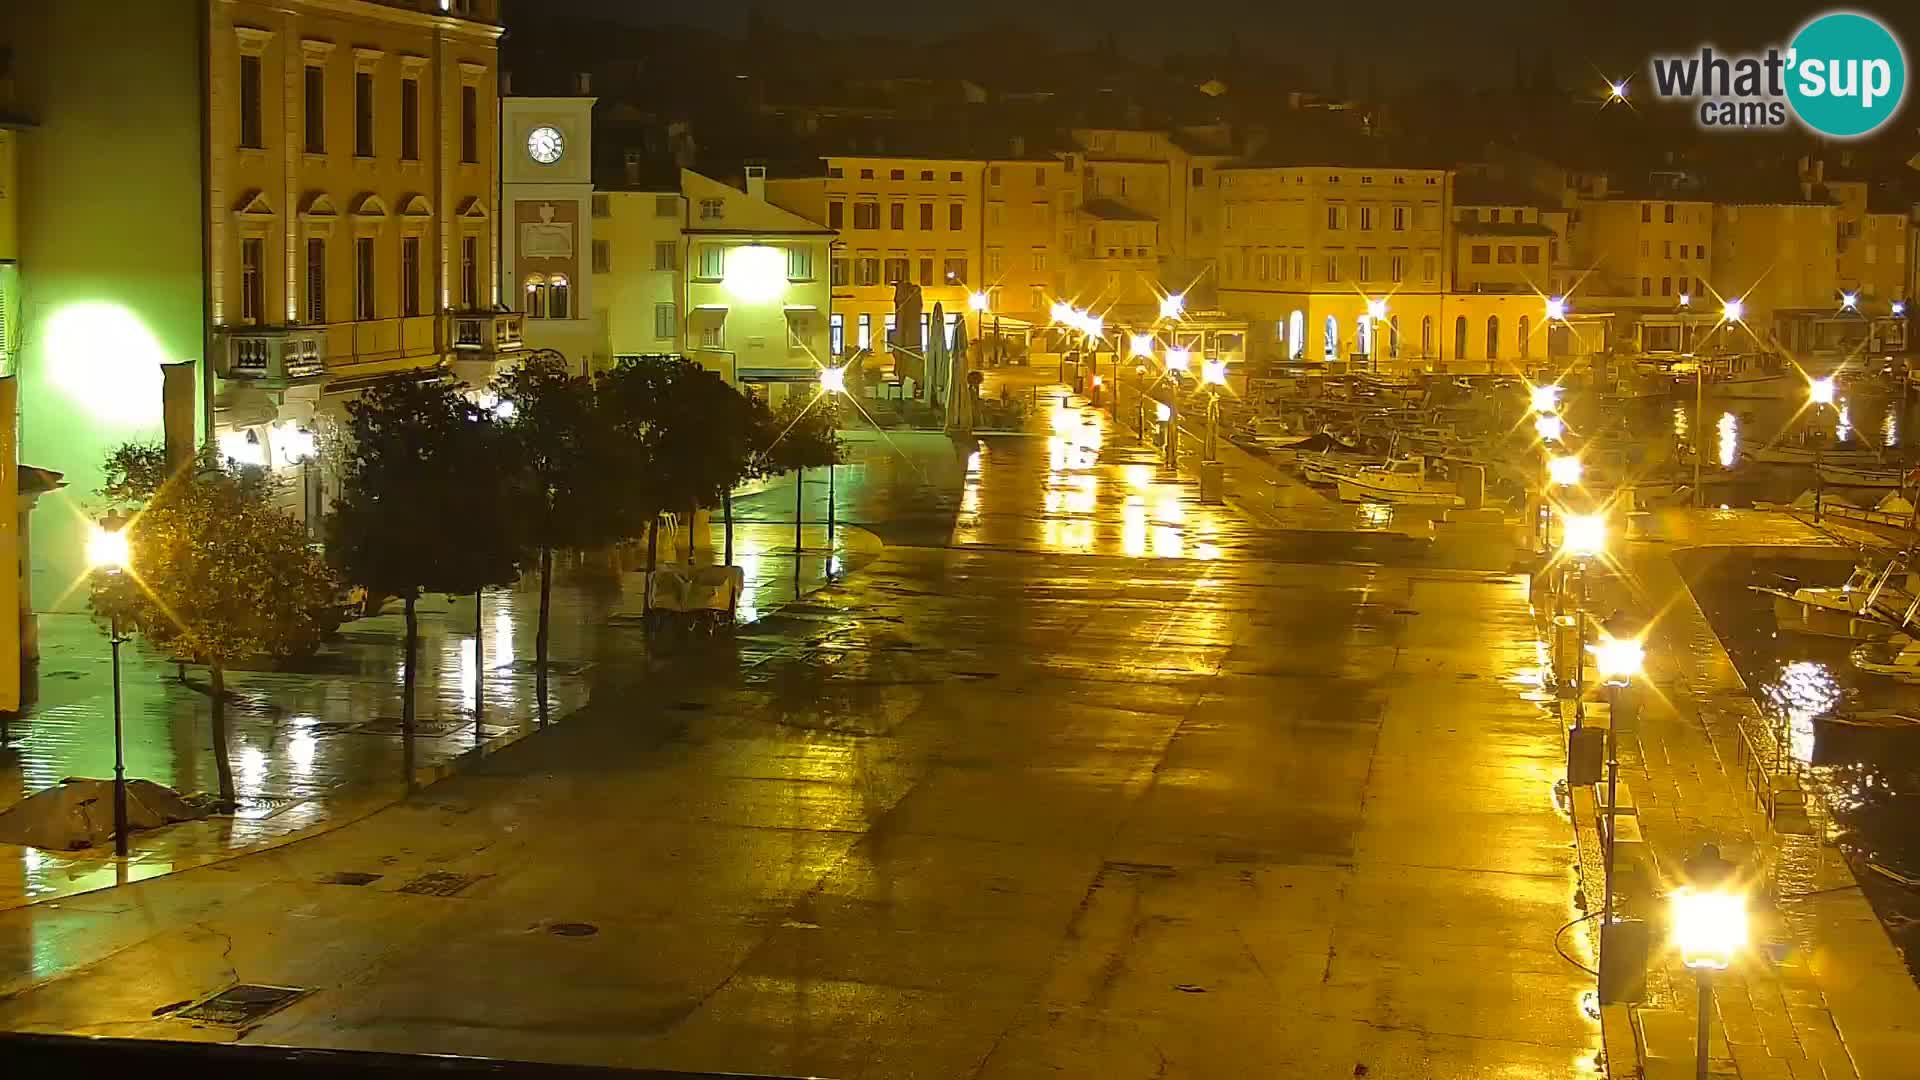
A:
(1549, 427)
(1170, 434)
(1544, 399)
(977, 301)
(1173, 305)
(109, 553)
(1617, 661)
(1140, 345)
(1899, 308)
(1583, 538)
(1213, 375)
(1709, 928)
(1556, 309)
(1849, 301)
(1733, 309)
(833, 380)
(1564, 470)
(1179, 359)
(1819, 393)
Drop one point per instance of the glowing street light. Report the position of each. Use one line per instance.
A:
(1733, 309)
(1820, 391)
(1899, 308)
(1060, 312)
(1686, 300)
(833, 380)
(1214, 372)
(977, 301)
(1849, 301)
(1619, 659)
(1141, 345)
(1564, 471)
(1557, 308)
(1173, 305)
(1179, 359)
(1583, 536)
(1545, 399)
(1549, 427)
(1092, 326)
(1617, 91)
(1377, 309)
(107, 549)
(1709, 926)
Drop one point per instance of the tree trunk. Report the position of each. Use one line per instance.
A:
(408, 660)
(726, 513)
(693, 517)
(222, 764)
(653, 561)
(799, 509)
(479, 663)
(540, 636)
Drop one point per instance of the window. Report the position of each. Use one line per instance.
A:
(1363, 336)
(842, 271)
(253, 301)
(1396, 268)
(1333, 268)
(602, 205)
(1666, 286)
(470, 124)
(363, 278)
(713, 209)
(867, 270)
(1399, 219)
(866, 215)
(316, 109)
(891, 329)
(896, 269)
(470, 272)
(1699, 251)
(1366, 268)
(602, 257)
(1530, 255)
(897, 174)
(666, 206)
(1330, 339)
(1482, 254)
(1493, 215)
(1366, 218)
(996, 213)
(666, 255)
(1393, 337)
(799, 263)
(926, 271)
(713, 335)
(1646, 213)
(993, 175)
(1493, 337)
(837, 334)
(797, 328)
(956, 271)
(1645, 248)
(926, 174)
(926, 215)
(1039, 176)
(410, 119)
(1038, 262)
(955, 214)
(557, 303)
(666, 322)
(954, 176)
(1669, 210)
(316, 280)
(1460, 338)
(1336, 217)
(993, 263)
(897, 216)
(536, 304)
(713, 262)
(1036, 299)
(1426, 335)
(1666, 250)
(866, 174)
(250, 102)
(836, 215)
(836, 172)
(1525, 348)
(1508, 255)
(1646, 286)
(1429, 267)
(864, 340)
(409, 275)
(1297, 333)
(363, 114)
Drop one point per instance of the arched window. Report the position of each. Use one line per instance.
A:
(1330, 348)
(1460, 338)
(1297, 333)
(536, 304)
(560, 302)
(1426, 335)
(1524, 349)
(1393, 337)
(1493, 337)
(1363, 336)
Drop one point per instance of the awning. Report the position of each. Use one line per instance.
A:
(778, 374)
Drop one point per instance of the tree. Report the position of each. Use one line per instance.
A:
(573, 473)
(217, 574)
(802, 434)
(428, 502)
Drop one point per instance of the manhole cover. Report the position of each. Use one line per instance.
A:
(349, 877)
(573, 929)
(238, 1006)
(439, 883)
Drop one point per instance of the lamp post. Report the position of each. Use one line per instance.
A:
(109, 553)
(1617, 660)
(1139, 389)
(1583, 538)
(1170, 437)
(1376, 317)
(1709, 923)
(1819, 394)
(833, 381)
(1213, 374)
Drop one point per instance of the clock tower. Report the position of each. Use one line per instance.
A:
(546, 234)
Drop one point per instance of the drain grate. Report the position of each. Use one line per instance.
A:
(439, 883)
(573, 929)
(350, 877)
(239, 1006)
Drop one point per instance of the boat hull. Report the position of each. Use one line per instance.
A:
(1356, 490)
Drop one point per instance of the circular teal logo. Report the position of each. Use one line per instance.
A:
(1846, 74)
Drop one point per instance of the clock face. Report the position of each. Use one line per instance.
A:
(545, 145)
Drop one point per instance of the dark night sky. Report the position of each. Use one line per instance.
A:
(1472, 40)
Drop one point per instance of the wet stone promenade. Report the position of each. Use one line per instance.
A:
(1075, 777)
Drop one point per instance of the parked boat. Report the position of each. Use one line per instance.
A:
(1327, 468)
(1853, 476)
(1792, 454)
(1403, 481)
(1829, 610)
(1897, 658)
(1774, 387)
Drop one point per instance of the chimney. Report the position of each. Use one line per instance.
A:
(583, 84)
(757, 182)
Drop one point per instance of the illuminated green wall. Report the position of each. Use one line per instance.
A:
(110, 272)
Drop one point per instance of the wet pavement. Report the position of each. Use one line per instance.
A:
(1077, 777)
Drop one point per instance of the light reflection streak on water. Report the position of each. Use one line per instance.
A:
(1890, 427)
(1845, 428)
(1805, 689)
(1729, 439)
(1680, 424)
